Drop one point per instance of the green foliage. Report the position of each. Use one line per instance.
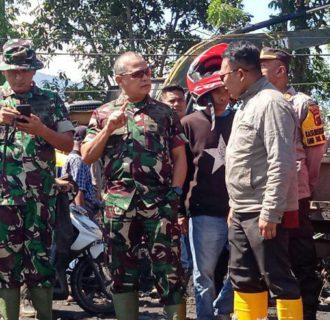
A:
(8, 16)
(96, 31)
(227, 15)
(74, 92)
(9, 11)
(314, 20)
(312, 72)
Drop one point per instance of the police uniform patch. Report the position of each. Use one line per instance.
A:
(312, 127)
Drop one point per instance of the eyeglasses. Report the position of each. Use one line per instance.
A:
(222, 75)
(138, 74)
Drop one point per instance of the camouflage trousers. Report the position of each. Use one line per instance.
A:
(25, 239)
(159, 228)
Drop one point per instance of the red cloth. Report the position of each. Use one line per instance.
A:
(290, 219)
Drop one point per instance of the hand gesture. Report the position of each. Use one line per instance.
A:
(8, 115)
(267, 229)
(117, 119)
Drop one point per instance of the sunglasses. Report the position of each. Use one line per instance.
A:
(138, 74)
(222, 75)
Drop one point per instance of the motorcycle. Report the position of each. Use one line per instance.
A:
(85, 267)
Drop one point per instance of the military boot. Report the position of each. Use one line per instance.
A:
(42, 299)
(175, 311)
(126, 305)
(9, 303)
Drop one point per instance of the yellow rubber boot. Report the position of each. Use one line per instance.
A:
(289, 309)
(250, 306)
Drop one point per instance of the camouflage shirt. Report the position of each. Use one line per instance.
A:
(137, 157)
(29, 160)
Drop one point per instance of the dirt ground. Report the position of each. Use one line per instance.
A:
(150, 309)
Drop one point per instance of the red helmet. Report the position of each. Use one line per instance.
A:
(202, 76)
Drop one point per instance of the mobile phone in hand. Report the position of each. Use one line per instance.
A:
(25, 110)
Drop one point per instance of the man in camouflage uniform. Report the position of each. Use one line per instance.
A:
(143, 148)
(27, 196)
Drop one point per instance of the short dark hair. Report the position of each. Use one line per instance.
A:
(80, 133)
(243, 54)
(171, 88)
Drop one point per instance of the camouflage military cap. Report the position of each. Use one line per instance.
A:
(18, 54)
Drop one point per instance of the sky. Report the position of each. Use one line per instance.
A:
(261, 12)
(67, 63)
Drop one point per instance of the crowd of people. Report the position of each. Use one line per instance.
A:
(236, 176)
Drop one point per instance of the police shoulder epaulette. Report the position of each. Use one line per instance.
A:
(287, 96)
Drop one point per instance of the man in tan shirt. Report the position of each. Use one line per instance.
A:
(261, 182)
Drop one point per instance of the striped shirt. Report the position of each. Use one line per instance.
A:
(81, 174)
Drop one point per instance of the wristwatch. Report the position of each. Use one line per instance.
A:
(178, 191)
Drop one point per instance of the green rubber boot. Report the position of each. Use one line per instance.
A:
(176, 311)
(9, 303)
(126, 305)
(42, 300)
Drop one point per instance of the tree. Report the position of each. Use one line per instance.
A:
(9, 10)
(97, 30)
(226, 15)
(310, 71)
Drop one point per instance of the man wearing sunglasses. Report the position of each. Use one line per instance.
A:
(262, 184)
(142, 145)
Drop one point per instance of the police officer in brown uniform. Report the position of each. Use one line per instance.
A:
(309, 150)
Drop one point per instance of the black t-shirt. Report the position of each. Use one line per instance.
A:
(205, 190)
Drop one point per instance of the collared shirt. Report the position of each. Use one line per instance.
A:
(81, 175)
(308, 158)
(260, 157)
(30, 160)
(137, 157)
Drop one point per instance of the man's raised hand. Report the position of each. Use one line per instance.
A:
(117, 119)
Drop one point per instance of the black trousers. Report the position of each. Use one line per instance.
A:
(258, 265)
(303, 261)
